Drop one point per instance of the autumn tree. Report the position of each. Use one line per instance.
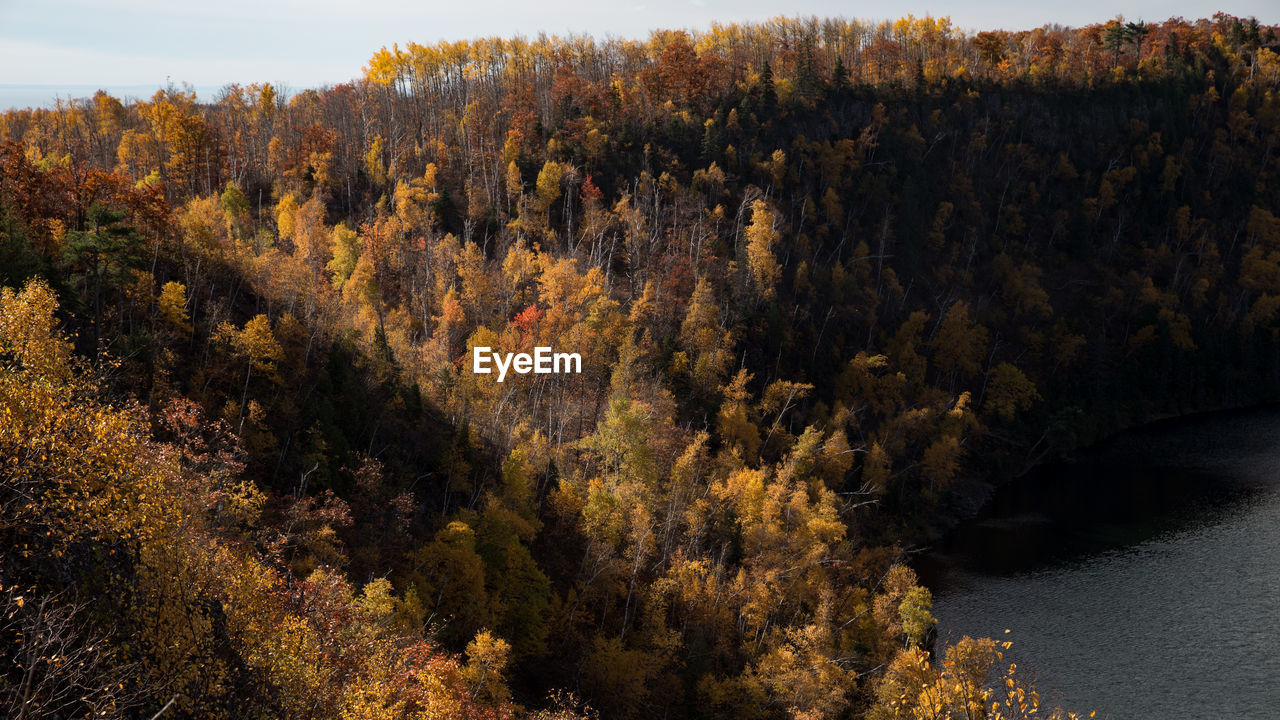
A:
(257, 345)
(761, 236)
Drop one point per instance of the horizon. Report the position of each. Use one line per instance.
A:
(43, 54)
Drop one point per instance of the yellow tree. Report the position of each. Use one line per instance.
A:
(1009, 391)
(345, 249)
(708, 345)
(173, 306)
(959, 345)
(257, 344)
(548, 186)
(762, 264)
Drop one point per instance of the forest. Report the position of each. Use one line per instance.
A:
(830, 282)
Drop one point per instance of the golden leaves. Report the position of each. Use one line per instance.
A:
(255, 342)
(29, 335)
(172, 305)
(761, 235)
(1009, 391)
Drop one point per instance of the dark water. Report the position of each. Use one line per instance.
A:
(1142, 581)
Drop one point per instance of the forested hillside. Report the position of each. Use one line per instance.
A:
(829, 281)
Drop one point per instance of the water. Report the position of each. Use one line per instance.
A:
(17, 97)
(1142, 581)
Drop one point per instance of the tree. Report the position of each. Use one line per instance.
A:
(1115, 36)
(373, 161)
(257, 344)
(346, 253)
(487, 658)
(704, 339)
(105, 252)
(970, 682)
(1009, 391)
(29, 333)
(286, 211)
(449, 576)
(1136, 31)
(18, 259)
(990, 47)
(548, 185)
(62, 667)
(959, 345)
(172, 305)
(236, 207)
(760, 259)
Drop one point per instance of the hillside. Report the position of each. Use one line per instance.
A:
(828, 281)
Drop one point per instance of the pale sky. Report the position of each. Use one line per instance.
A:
(304, 43)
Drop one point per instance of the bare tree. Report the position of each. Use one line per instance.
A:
(56, 667)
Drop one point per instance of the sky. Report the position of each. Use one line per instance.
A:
(67, 46)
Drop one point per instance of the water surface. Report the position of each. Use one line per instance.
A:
(1142, 581)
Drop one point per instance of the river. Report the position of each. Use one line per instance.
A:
(1139, 581)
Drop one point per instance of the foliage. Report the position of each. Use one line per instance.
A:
(826, 278)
